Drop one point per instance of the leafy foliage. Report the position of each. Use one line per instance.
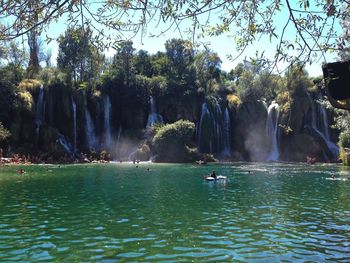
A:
(4, 133)
(77, 56)
(312, 24)
(172, 139)
(28, 85)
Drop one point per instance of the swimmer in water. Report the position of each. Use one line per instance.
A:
(21, 171)
(213, 174)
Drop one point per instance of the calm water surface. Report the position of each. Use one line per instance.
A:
(120, 213)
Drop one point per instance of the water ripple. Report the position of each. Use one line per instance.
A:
(264, 213)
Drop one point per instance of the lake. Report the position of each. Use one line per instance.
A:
(115, 212)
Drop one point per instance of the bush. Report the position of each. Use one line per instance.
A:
(26, 100)
(284, 100)
(28, 85)
(171, 141)
(4, 133)
(344, 156)
(233, 100)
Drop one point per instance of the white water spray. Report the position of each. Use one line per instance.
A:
(153, 116)
(226, 134)
(272, 131)
(107, 122)
(39, 113)
(90, 130)
(74, 107)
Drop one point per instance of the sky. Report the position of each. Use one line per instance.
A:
(223, 44)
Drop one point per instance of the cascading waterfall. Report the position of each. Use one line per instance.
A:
(107, 122)
(205, 116)
(321, 126)
(226, 134)
(65, 144)
(117, 145)
(153, 116)
(272, 131)
(218, 123)
(39, 113)
(210, 129)
(324, 124)
(90, 130)
(74, 107)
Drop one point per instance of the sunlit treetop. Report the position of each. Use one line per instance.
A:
(302, 30)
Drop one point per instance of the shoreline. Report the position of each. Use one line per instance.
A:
(6, 161)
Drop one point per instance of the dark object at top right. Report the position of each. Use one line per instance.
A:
(337, 79)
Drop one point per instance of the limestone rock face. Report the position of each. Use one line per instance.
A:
(250, 131)
(299, 146)
(299, 135)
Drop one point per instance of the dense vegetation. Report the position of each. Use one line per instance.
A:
(180, 80)
(88, 103)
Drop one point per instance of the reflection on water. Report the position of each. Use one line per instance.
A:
(264, 212)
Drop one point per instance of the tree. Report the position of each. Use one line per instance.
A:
(207, 65)
(312, 23)
(181, 73)
(33, 65)
(123, 60)
(180, 55)
(12, 54)
(143, 65)
(77, 56)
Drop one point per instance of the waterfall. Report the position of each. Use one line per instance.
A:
(90, 133)
(153, 116)
(217, 119)
(107, 122)
(74, 107)
(117, 145)
(272, 131)
(39, 113)
(321, 126)
(324, 124)
(226, 134)
(65, 144)
(210, 136)
(204, 116)
(313, 112)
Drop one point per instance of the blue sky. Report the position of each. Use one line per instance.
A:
(223, 45)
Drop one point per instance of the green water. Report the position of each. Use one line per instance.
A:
(119, 213)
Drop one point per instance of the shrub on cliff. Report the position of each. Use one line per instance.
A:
(4, 133)
(171, 142)
(30, 85)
